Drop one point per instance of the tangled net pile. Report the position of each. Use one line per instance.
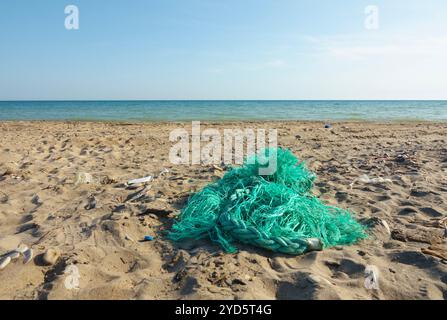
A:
(275, 212)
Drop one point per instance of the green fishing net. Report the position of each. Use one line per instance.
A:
(275, 212)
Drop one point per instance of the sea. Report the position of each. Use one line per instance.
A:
(225, 110)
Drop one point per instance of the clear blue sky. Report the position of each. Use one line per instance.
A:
(223, 49)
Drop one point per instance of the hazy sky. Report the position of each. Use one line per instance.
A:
(223, 49)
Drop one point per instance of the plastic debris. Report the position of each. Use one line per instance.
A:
(84, 178)
(138, 195)
(88, 178)
(276, 212)
(72, 279)
(148, 238)
(140, 180)
(163, 172)
(371, 277)
(327, 126)
(366, 179)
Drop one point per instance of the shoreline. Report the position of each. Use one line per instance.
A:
(142, 122)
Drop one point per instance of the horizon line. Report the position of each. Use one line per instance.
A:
(193, 100)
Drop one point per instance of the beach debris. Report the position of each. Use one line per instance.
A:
(72, 280)
(401, 158)
(327, 126)
(88, 178)
(129, 238)
(314, 244)
(364, 178)
(379, 228)
(28, 256)
(4, 262)
(140, 180)
(13, 255)
(91, 203)
(244, 191)
(138, 195)
(119, 208)
(371, 277)
(148, 238)
(84, 178)
(50, 257)
(163, 172)
(22, 248)
(387, 227)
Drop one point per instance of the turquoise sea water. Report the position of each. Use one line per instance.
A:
(223, 110)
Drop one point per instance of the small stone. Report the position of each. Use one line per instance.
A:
(91, 203)
(50, 257)
(35, 200)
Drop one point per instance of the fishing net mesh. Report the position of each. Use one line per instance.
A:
(275, 212)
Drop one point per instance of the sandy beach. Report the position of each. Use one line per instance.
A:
(98, 227)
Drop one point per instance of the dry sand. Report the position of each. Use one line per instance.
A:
(42, 207)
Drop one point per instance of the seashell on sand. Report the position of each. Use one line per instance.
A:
(13, 255)
(4, 262)
(28, 256)
(22, 248)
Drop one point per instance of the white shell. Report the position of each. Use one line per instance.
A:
(22, 248)
(13, 255)
(387, 227)
(4, 262)
(127, 237)
(27, 256)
